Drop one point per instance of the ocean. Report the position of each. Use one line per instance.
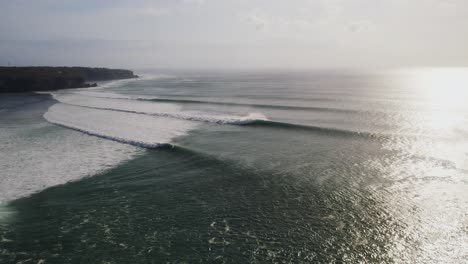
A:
(324, 166)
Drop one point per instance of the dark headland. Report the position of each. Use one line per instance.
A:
(30, 79)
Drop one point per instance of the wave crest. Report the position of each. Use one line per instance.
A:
(130, 128)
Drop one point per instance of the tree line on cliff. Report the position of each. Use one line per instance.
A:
(28, 79)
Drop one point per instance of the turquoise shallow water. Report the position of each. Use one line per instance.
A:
(249, 168)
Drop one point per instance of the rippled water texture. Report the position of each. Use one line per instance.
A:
(239, 168)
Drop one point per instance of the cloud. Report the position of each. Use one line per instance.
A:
(149, 11)
(258, 19)
(360, 26)
(196, 2)
(265, 21)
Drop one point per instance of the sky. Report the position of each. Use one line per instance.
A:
(235, 33)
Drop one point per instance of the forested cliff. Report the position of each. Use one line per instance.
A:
(28, 79)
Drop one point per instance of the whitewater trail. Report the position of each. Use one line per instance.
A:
(135, 129)
(155, 109)
(36, 156)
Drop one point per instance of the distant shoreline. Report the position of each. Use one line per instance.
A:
(35, 79)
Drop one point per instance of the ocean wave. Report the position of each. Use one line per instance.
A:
(252, 120)
(325, 130)
(151, 109)
(130, 128)
(226, 120)
(132, 142)
(288, 107)
(53, 157)
(110, 95)
(173, 111)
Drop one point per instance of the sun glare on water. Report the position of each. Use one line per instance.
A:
(440, 95)
(430, 169)
(443, 87)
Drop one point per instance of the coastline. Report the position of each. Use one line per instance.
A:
(36, 79)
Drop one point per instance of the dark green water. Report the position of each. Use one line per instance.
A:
(184, 205)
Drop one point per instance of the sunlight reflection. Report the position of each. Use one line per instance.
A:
(442, 94)
(429, 171)
(441, 87)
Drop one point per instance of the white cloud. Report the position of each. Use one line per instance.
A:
(262, 20)
(149, 11)
(197, 2)
(258, 19)
(360, 26)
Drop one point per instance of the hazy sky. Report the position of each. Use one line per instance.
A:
(234, 33)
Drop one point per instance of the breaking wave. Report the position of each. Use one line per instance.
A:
(323, 130)
(130, 128)
(110, 95)
(152, 109)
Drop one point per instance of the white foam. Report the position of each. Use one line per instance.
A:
(153, 108)
(135, 129)
(113, 83)
(33, 158)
